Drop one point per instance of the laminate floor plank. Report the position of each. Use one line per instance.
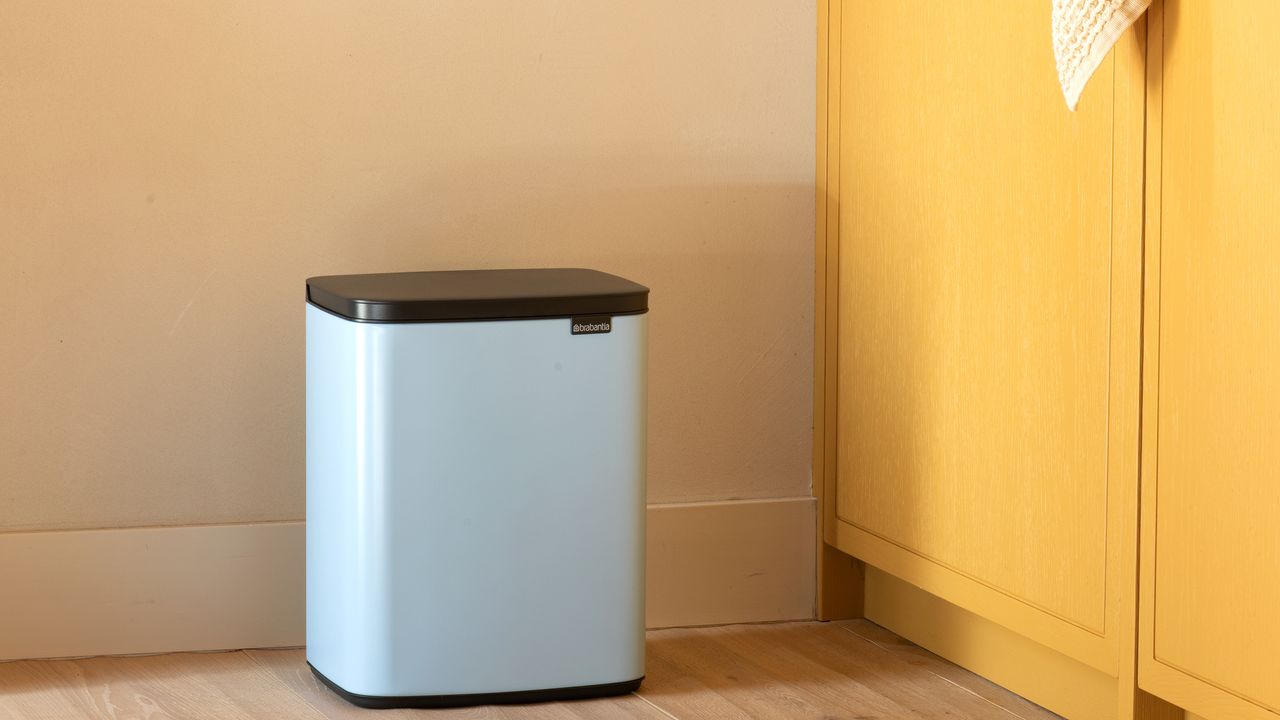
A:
(913, 654)
(851, 670)
(821, 656)
(683, 694)
(749, 684)
(178, 686)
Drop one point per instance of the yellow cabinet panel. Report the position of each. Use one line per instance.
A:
(1211, 585)
(987, 315)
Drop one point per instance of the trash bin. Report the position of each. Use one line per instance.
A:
(475, 485)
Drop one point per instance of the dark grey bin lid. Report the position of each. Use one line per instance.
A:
(452, 295)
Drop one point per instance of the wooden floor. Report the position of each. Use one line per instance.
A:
(851, 670)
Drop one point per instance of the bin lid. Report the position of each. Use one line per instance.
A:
(452, 295)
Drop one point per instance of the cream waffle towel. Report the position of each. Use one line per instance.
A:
(1083, 33)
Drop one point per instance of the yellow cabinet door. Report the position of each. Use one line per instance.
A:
(989, 277)
(1210, 610)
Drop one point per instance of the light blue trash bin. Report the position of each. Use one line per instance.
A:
(475, 485)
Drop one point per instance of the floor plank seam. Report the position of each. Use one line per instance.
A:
(862, 637)
(270, 672)
(990, 702)
(655, 706)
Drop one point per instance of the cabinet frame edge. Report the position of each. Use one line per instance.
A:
(840, 577)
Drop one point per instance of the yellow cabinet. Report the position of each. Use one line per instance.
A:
(990, 305)
(984, 270)
(1210, 611)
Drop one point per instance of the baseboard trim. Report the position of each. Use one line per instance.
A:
(730, 562)
(216, 587)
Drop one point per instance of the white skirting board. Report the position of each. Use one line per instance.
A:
(215, 587)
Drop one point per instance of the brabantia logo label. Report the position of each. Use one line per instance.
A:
(592, 325)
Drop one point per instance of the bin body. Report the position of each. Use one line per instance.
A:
(475, 501)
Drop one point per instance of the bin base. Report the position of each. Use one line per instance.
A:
(387, 702)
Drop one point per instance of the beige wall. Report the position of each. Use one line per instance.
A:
(171, 172)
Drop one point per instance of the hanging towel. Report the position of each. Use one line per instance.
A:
(1083, 33)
